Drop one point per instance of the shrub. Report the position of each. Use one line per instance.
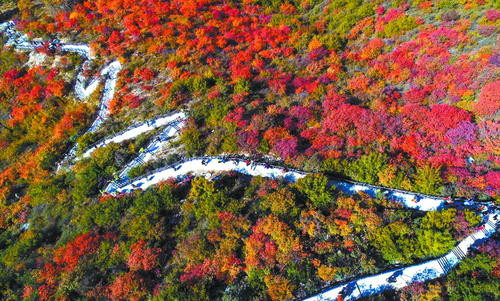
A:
(317, 190)
(192, 141)
(367, 167)
(85, 141)
(242, 85)
(398, 26)
(428, 180)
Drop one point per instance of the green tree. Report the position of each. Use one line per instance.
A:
(398, 26)
(146, 216)
(394, 242)
(198, 84)
(433, 243)
(434, 237)
(192, 141)
(242, 85)
(41, 192)
(216, 113)
(281, 203)
(15, 252)
(92, 174)
(472, 218)
(108, 214)
(473, 280)
(84, 141)
(427, 179)
(367, 167)
(439, 220)
(335, 166)
(315, 187)
(207, 201)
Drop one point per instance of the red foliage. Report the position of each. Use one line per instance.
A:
(489, 100)
(127, 286)
(286, 148)
(235, 41)
(18, 114)
(28, 91)
(28, 292)
(196, 271)
(274, 135)
(272, 242)
(144, 74)
(69, 121)
(260, 251)
(493, 179)
(66, 258)
(133, 100)
(142, 258)
(45, 291)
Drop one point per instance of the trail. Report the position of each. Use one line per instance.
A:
(84, 86)
(136, 130)
(361, 287)
(205, 166)
(402, 277)
(152, 150)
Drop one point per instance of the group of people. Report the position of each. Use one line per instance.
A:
(248, 161)
(204, 162)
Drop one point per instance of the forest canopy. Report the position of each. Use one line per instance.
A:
(397, 93)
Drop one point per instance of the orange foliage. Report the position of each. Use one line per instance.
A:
(278, 287)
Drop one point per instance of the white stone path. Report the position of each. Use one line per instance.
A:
(136, 130)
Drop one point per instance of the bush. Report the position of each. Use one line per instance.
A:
(315, 187)
(428, 180)
(242, 85)
(84, 141)
(474, 279)
(398, 26)
(367, 167)
(192, 141)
